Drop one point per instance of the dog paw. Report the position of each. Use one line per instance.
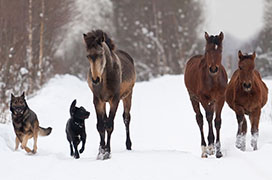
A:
(76, 156)
(81, 150)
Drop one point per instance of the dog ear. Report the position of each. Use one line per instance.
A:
(23, 95)
(72, 107)
(12, 96)
(10, 106)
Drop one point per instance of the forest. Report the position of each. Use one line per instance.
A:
(42, 38)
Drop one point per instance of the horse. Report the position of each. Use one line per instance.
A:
(246, 94)
(206, 80)
(111, 78)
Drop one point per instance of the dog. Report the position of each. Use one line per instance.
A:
(75, 129)
(25, 123)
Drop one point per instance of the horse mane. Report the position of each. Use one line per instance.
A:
(213, 42)
(246, 56)
(96, 37)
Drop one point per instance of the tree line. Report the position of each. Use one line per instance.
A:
(41, 38)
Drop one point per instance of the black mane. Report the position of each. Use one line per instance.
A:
(96, 37)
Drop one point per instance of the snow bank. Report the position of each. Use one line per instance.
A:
(164, 133)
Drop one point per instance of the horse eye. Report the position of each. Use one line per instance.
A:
(240, 68)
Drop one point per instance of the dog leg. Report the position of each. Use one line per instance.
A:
(35, 138)
(24, 143)
(75, 143)
(17, 141)
(83, 139)
(71, 149)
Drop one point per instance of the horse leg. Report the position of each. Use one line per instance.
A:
(126, 117)
(110, 125)
(219, 107)
(209, 117)
(254, 119)
(242, 129)
(199, 120)
(101, 116)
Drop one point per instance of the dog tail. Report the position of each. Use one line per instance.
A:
(44, 131)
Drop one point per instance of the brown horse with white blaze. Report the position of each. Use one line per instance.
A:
(111, 78)
(206, 81)
(246, 94)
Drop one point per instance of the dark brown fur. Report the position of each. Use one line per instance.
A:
(246, 94)
(25, 123)
(111, 78)
(206, 81)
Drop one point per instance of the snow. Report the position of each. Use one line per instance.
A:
(164, 133)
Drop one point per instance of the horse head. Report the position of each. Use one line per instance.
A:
(98, 45)
(246, 69)
(213, 52)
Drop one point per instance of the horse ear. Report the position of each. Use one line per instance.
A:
(221, 36)
(72, 107)
(207, 36)
(100, 37)
(254, 55)
(240, 55)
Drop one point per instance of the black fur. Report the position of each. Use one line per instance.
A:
(75, 128)
(95, 38)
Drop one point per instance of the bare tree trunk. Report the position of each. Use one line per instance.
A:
(161, 57)
(41, 44)
(29, 48)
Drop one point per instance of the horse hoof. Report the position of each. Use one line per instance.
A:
(219, 154)
(204, 155)
(210, 150)
(103, 156)
(241, 147)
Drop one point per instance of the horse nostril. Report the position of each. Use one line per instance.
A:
(247, 85)
(213, 70)
(96, 81)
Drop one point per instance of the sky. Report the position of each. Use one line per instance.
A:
(241, 18)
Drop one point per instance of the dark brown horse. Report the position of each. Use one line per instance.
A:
(246, 94)
(206, 81)
(111, 78)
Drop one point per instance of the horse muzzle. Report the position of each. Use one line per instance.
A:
(247, 87)
(213, 70)
(96, 81)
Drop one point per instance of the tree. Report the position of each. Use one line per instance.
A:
(160, 35)
(263, 43)
(22, 44)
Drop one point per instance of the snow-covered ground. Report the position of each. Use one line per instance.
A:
(164, 133)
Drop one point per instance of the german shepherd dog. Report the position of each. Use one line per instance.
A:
(25, 123)
(75, 128)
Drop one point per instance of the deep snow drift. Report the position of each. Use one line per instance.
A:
(165, 138)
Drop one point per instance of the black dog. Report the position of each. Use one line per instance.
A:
(75, 128)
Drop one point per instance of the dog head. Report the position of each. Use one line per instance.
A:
(78, 112)
(18, 105)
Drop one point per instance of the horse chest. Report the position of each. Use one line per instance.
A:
(248, 101)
